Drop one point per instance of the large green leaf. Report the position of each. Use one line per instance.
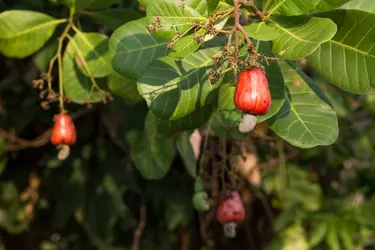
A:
(191, 121)
(93, 48)
(305, 120)
(123, 86)
(153, 151)
(301, 36)
(77, 86)
(134, 48)
(262, 31)
(173, 89)
(348, 58)
(289, 7)
(23, 32)
(326, 5)
(173, 17)
(232, 117)
(113, 18)
(365, 5)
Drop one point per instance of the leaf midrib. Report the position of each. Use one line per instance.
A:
(290, 33)
(39, 26)
(85, 40)
(351, 48)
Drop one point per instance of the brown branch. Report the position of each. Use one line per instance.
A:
(254, 8)
(141, 226)
(20, 144)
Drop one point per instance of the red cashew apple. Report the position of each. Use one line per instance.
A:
(64, 131)
(230, 213)
(252, 94)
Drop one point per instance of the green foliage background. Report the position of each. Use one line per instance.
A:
(134, 167)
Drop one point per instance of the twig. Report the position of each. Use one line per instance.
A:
(141, 226)
(254, 8)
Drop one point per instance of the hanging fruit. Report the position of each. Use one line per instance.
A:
(252, 94)
(200, 197)
(64, 131)
(230, 213)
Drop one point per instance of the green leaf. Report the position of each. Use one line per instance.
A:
(43, 57)
(262, 31)
(187, 153)
(191, 121)
(295, 238)
(332, 237)
(289, 7)
(326, 5)
(174, 89)
(153, 152)
(211, 5)
(305, 120)
(346, 236)
(23, 32)
(184, 47)
(222, 130)
(125, 87)
(134, 48)
(113, 18)
(301, 36)
(365, 5)
(318, 233)
(93, 48)
(77, 87)
(173, 17)
(201, 6)
(347, 59)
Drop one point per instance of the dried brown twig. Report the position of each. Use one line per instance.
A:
(141, 226)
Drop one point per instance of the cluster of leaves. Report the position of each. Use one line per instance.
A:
(156, 56)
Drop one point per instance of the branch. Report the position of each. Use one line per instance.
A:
(141, 226)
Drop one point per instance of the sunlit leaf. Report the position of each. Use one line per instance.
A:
(134, 48)
(262, 31)
(300, 36)
(347, 59)
(77, 87)
(174, 17)
(173, 89)
(365, 5)
(326, 5)
(289, 7)
(23, 32)
(92, 49)
(305, 120)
